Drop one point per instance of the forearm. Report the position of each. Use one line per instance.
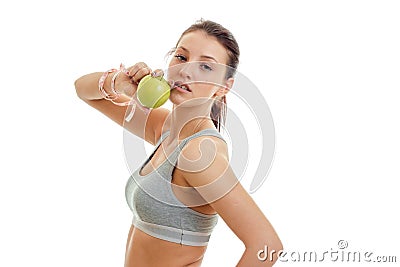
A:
(87, 86)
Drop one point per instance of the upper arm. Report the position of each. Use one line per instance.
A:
(146, 126)
(219, 186)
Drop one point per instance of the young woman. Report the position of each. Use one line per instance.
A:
(187, 182)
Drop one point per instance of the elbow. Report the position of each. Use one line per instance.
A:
(81, 88)
(275, 244)
(275, 248)
(77, 85)
(268, 247)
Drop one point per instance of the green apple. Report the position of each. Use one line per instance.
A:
(153, 92)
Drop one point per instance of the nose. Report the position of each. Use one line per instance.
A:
(185, 71)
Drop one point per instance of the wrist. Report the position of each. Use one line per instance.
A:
(107, 87)
(105, 84)
(120, 82)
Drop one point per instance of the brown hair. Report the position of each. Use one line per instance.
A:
(225, 38)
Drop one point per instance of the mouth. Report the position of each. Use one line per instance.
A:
(181, 85)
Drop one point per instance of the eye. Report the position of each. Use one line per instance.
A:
(205, 66)
(180, 57)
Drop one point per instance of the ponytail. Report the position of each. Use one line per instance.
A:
(218, 112)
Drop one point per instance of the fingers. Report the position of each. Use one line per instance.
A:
(171, 83)
(160, 73)
(138, 71)
(157, 73)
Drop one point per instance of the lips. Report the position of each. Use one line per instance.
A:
(182, 86)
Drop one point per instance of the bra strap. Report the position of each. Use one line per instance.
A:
(162, 137)
(205, 132)
(173, 158)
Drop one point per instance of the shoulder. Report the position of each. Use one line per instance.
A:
(204, 147)
(203, 160)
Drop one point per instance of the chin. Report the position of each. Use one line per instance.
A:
(176, 99)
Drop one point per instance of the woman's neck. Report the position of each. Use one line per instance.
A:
(186, 121)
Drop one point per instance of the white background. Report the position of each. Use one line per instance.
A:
(329, 71)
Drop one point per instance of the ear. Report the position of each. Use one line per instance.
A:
(223, 90)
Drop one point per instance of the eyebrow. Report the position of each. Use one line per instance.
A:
(202, 56)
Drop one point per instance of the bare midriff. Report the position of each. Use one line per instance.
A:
(143, 250)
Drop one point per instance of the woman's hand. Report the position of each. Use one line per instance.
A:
(127, 84)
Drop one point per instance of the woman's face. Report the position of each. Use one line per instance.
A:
(198, 68)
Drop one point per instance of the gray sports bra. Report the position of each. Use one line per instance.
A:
(157, 211)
